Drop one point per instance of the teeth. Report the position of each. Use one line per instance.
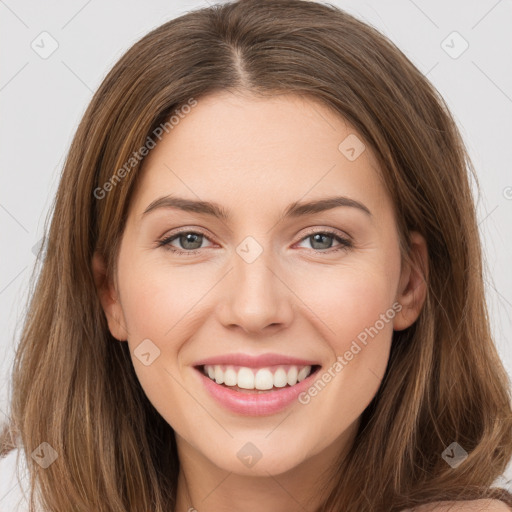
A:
(230, 377)
(260, 379)
(219, 375)
(263, 379)
(280, 378)
(245, 378)
(292, 375)
(301, 376)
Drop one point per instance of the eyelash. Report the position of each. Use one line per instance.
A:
(345, 244)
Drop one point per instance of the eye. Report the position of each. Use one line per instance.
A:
(321, 241)
(191, 241)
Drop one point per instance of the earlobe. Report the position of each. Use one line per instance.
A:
(109, 299)
(412, 289)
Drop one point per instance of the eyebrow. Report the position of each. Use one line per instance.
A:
(296, 209)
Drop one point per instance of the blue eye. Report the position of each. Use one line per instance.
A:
(191, 242)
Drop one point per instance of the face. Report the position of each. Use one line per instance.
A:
(264, 332)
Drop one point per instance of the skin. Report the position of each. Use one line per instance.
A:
(254, 157)
(465, 506)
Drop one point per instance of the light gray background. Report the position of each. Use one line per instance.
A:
(43, 99)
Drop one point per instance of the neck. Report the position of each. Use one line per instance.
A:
(204, 487)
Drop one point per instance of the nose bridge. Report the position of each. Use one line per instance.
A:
(257, 297)
(252, 263)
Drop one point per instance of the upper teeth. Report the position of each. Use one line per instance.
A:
(253, 378)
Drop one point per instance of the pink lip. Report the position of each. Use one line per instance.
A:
(249, 404)
(260, 361)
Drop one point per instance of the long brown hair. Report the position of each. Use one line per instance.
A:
(74, 385)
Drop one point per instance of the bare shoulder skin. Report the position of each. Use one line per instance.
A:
(485, 505)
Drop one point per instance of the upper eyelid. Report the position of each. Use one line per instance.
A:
(175, 234)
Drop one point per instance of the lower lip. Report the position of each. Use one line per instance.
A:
(254, 404)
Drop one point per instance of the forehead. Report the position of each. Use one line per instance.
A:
(247, 150)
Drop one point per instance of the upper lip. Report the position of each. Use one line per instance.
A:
(249, 361)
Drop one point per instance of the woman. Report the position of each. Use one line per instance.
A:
(323, 343)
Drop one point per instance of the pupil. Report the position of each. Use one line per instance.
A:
(189, 238)
(319, 237)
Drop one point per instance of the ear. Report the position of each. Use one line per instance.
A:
(109, 299)
(412, 289)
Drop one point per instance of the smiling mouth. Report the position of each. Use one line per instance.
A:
(257, 380)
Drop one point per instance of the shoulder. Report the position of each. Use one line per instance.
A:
(486, 505)
(14, 486)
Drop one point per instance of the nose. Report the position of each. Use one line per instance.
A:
(257, 298)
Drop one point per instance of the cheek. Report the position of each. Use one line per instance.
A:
(156, 297)
(351, 300)
(147, 313)
(355, 312)
(156, 303)
(361, 306)
(359, 316)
